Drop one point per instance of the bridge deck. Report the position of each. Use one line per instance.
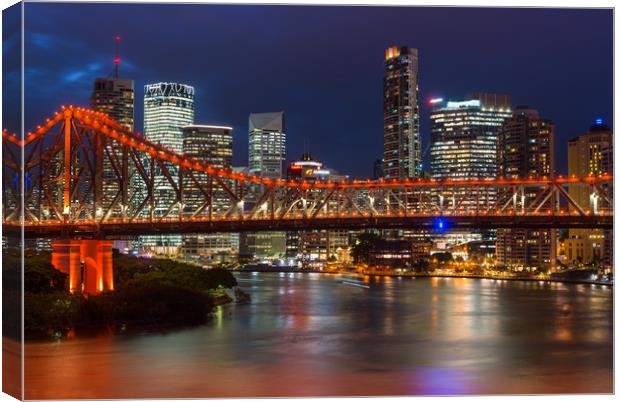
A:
(120, 228)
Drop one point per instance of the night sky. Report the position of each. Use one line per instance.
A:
(322, 65)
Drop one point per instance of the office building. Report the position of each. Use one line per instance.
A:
(607, 166)
(588, 155)
(525, 148)
(464, 145)
(314, 246)
(115, 97)
(402, 155)
(168, 108)
(464, 136)
(266, 155)
(267, 144)
(377, 169)
(213, 145)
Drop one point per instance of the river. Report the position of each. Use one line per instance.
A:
(312, 335)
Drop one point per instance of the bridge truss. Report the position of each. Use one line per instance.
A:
(83, 175)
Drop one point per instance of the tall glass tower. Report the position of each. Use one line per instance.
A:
(526, 149)
(168, 108)
(402, 156)
(266, 155)
(114, 96)
(213, 145)
(464, 146)
(464, 136)
(267, 144)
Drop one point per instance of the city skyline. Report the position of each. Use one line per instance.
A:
(190, 211)
(360, 123)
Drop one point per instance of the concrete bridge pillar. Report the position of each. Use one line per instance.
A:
(88, 263)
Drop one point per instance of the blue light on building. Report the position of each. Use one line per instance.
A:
(440, 225)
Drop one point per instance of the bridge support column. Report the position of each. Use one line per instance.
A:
(88, 263)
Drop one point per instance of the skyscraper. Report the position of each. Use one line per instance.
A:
(587, 157)
(168, 108)
(267, 152)
(402, 155)
(464, 145)
(464, 136)
(114, 96)
(213, 145)
(267, 144)
(526, 149)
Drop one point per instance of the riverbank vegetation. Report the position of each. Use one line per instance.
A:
(154, 293)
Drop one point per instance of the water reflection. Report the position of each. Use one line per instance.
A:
(310, 335)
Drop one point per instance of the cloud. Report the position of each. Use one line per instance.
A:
(8, 44)
(42, 40)
(76, 74)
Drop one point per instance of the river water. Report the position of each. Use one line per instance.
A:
(312, 335)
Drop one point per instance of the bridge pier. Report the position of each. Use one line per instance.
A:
(88, 263)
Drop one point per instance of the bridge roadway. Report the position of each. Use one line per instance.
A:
(116, 228)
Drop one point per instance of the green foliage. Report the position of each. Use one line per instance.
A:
(444, 257)
(150, 304)
(421, 265)
(141, 271)
(362, 247)
(152, 292)
(160, 304)
(40, 276)
(47, 313)
(186, 276)
(11, 313)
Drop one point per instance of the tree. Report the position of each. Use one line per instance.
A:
(443, 257)
(362, 247)
(421, 265)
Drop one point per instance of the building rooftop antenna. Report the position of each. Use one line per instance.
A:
(117, 58)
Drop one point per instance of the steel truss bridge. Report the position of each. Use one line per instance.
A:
(83, 175)
(82, 179)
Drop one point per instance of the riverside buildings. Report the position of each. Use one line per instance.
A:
(213, 145)
(526, 149)
(588, 155)
(402, 155)
(464, 144)
(168, 108)
(266, 155)
(315, 246)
